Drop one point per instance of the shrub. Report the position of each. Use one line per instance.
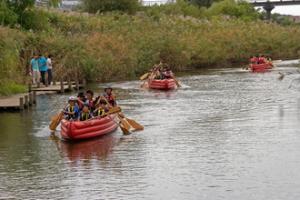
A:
(7, 16)
(94, 6)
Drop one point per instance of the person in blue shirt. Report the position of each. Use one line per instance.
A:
(34, 64)
(43, 68)
(72, 110)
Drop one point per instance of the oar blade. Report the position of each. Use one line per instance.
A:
(124, 130)
(55, 121)
(135, 125)
(145, 76)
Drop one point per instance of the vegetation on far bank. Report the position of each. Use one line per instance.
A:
(118, 45)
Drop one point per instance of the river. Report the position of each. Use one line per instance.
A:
(226, 134)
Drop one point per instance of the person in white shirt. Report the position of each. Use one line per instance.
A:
(49, 65)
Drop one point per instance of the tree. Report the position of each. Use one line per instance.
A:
(19, 6)
(203, 3)
(129, 6)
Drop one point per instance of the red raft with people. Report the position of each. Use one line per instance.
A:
(77, 130)
(260, 63)
(165, 84)
(261, 67)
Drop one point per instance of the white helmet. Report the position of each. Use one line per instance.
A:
(72, 98)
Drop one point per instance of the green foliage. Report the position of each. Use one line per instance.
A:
(10, 87)
(114, 46)
(36, 20)
(240, 9)
(202, 3)
(94, 6)
(181, 7)
(19, 6)
(7, 16)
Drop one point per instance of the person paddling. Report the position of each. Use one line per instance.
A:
(101, 109)
(72, 111)
(167, 73)
(110, 97)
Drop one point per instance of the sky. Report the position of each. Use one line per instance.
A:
(287, 10)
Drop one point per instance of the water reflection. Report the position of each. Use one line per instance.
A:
(98, 148)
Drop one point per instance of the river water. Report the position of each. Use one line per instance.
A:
(226, 134)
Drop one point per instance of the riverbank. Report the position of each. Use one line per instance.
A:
(116, 46)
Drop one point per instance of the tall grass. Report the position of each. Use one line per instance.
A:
(116, 46)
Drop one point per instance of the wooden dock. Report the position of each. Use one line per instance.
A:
(18, 101)
(25, 100)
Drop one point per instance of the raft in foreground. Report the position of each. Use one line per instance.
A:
(79, 130)
(166, 84)
(261, 67)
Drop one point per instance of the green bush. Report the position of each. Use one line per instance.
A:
(7, 16)
(181, 7)
(240, 9)
(34, 19)
(94, 6)
(9, 88)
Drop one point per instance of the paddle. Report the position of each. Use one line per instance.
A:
(55, 120)
(132, 123)
(126, 125)
(145, 76)
(111, 111)
(176, 81)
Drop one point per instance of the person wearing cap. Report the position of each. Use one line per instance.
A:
(110, 97)
(72, 111)
(85, 113)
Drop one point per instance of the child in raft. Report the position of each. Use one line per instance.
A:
(85, 113)
(81, 99)
(72, 110)
(167, 73)
(101, 109)
(90, 99)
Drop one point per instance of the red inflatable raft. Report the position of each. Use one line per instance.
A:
(166, 84)
(76, 130)
(260, 67)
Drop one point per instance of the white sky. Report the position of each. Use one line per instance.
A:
(287, 10)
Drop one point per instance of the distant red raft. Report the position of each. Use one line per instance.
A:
(165, 84)
(261, 67)
(78, 130)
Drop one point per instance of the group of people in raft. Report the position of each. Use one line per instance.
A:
(85, 106)
(260, 59)
(161, 71)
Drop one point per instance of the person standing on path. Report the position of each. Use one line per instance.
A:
(34, 65)
(43, 68)
(49, 66)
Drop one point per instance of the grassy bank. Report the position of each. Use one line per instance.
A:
(116, 46)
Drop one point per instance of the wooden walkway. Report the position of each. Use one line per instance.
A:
(25, 100)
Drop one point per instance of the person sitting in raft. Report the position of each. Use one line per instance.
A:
(110, 97)
(72, 110)
(261, 59)
(253, 60)
(167, 73)
(90, 99)
(85, 113)
(81, 99)
(101, 109)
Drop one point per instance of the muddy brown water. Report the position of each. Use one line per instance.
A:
(227, 134)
